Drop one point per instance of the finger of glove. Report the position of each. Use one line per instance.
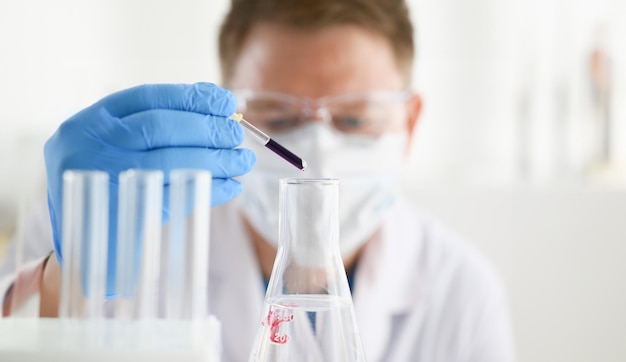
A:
(224, 190)
(158, 128)
(204, 98)
(222, 163)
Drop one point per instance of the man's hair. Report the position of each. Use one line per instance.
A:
(388, 18)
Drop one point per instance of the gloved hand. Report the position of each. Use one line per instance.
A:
(161, 127)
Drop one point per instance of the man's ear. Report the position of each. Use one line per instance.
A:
(414, 108)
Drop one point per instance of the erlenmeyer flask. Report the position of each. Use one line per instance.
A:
(308, 314)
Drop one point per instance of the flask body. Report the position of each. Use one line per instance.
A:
(308, 313)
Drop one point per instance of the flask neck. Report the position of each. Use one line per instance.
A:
(308, 259)
(309, 222)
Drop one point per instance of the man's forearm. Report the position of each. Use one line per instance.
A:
(6, 302)
(50, 288)
(41, 277)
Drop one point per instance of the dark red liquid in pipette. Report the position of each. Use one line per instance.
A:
(286, 154)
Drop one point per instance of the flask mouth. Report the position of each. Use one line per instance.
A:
(310, 181)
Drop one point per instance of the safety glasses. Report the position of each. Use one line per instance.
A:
(365, 113)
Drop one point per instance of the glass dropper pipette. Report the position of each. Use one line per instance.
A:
(266, 141)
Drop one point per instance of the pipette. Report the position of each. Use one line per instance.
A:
(266, 141)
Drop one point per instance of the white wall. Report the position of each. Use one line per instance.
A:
(507, 90)
(479, 61)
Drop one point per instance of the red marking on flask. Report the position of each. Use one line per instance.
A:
(273, 320)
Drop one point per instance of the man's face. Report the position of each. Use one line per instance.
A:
(356, 69)
(329, 62)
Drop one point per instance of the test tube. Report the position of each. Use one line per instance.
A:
(187, 267)
(84, 239)
(139, 244)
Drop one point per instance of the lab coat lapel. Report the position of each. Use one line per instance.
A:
(380, 294)
(236, 283)
(372, 311)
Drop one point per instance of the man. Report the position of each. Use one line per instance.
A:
(329, 80)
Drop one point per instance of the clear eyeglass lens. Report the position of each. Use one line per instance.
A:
(273, 115)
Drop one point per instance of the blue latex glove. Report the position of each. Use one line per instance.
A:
(161, 127)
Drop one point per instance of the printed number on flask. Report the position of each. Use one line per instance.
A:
(274, 319)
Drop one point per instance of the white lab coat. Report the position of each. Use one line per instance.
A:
(420, 294)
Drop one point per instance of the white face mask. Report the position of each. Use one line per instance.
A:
(368, 171)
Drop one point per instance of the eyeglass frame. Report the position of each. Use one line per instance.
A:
(318, 108)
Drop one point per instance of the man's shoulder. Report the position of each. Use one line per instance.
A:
(441, 288)
(418, 230)
(442, 258)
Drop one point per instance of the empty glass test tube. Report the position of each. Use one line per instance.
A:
(139, 244)
(187, 269)
(85, 240)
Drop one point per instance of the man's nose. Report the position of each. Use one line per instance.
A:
(318, 115)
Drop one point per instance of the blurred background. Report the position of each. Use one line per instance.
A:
(521, 146)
